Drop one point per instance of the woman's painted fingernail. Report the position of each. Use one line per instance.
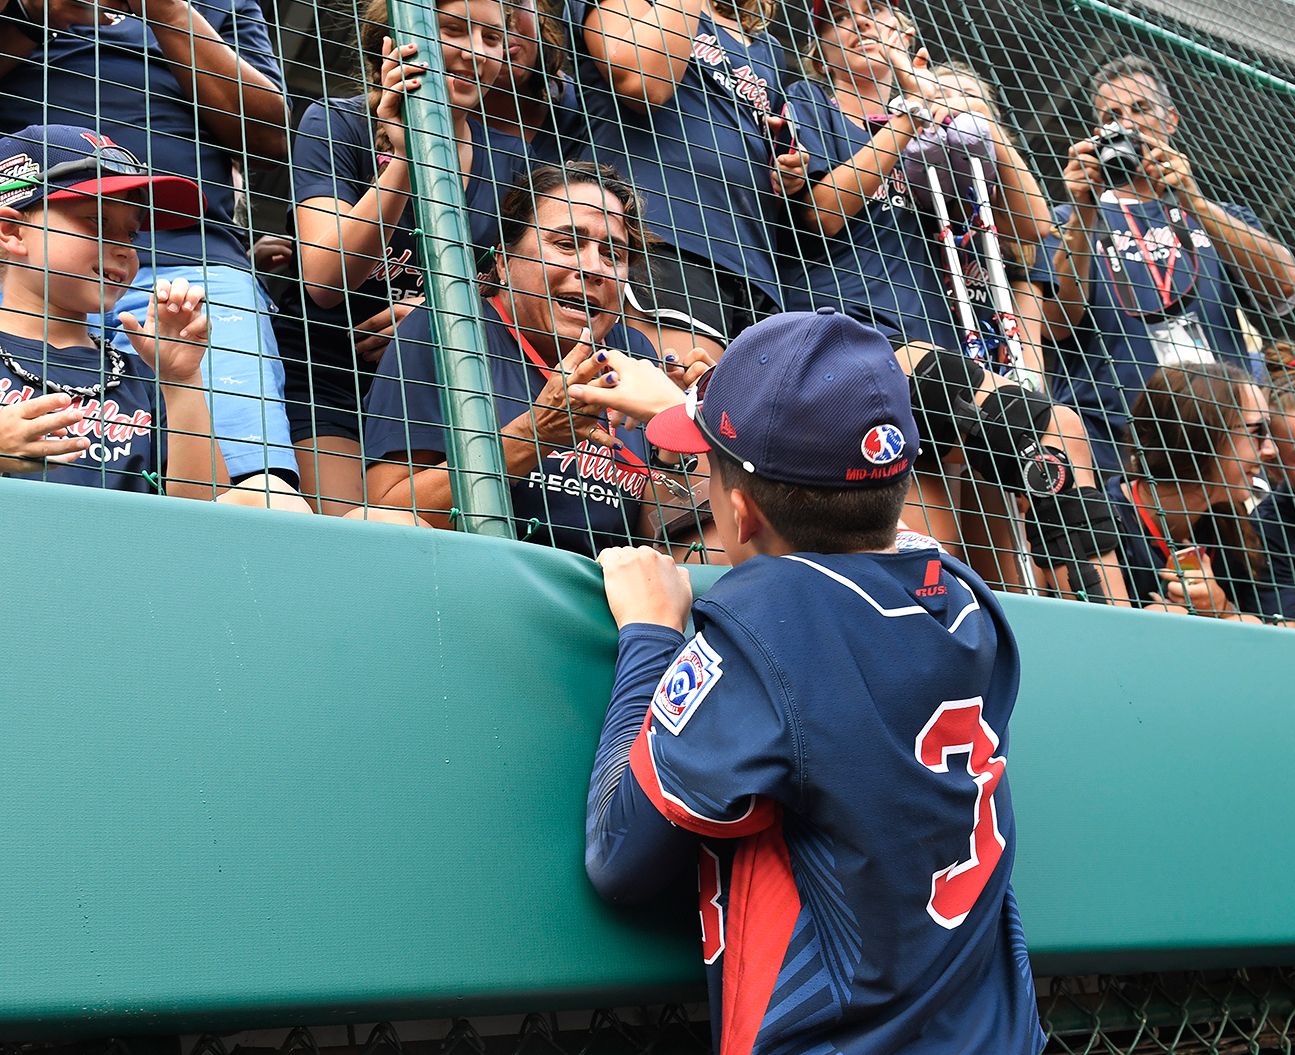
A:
(619, 445)
(670, 357)
(612, 379)
(601, 357)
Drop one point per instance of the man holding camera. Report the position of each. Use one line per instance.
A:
(1150, 272)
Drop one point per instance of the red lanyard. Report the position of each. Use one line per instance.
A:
(632, 461)
(1164, 281)
(1148, 519)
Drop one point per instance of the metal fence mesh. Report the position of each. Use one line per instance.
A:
(1243, 1012)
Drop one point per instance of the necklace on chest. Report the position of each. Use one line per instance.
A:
(113, 374)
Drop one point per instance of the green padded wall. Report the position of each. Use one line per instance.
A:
(262, 768)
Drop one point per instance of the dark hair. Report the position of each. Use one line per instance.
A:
(1175, 429)
(518, 209)
(820, 519)
(1129, 66)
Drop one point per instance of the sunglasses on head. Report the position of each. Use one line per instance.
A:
(107, 159)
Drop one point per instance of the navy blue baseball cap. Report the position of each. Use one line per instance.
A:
(811, 398)
(57, 162)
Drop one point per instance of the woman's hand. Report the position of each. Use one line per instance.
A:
(563, 415)
(374, 334)
(635, 388)
(173, 338)
(912, 73)
(1195, 587)
(399, 77)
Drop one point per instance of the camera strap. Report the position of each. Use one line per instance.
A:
(1125, 292)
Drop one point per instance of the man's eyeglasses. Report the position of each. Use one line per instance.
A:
(106, 159)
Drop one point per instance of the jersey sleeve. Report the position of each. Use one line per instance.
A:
(244, 29)
(717, 753)
(403, 409)
(326, 159)
(631, 851)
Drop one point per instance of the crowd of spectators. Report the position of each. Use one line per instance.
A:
(1098, 417)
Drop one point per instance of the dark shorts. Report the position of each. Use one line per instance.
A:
(322, 385)
(687, 292)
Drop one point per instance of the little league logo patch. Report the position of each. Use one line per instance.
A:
(688, 681)
(882, 444)
(17, 169)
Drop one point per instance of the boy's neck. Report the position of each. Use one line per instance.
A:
(25, 313)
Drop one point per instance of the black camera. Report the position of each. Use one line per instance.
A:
(1119, 153)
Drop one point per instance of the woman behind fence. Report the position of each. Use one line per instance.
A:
(1189, 540)
(685, 98)
(553, 298)
(360, 266)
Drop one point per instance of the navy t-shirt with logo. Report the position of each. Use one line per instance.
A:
(95, 77)
(584, 498)
(126, 424)
(701, 159)
(333, 156)
(878, 268)
(1111, 355)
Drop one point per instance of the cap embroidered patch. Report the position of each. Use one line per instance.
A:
(882, 444)
(726, 427)
(17, 169)
(688, 681)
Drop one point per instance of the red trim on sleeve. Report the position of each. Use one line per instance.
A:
(760, 814)
(763, 905)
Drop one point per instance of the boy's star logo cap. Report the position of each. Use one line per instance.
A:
(58, 162)
(810, 398)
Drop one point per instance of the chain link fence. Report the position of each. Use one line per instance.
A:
(1242, 1012)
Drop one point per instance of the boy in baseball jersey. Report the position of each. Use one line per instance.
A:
(74, 409)
(830, 745)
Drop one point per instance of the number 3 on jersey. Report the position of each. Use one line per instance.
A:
(959, 728)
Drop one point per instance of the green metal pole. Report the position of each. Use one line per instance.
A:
(1197, 50)
(472, 449)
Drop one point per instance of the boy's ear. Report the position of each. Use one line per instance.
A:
(11, 225)
(750, 518)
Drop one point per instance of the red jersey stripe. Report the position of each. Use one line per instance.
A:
(763, 904)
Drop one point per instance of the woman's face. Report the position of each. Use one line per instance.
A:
(522, 42)
(472, 48)
(568, 271)
(859, 38)
(1244, 450)
(1284, 442)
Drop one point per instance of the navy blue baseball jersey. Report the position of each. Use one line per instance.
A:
(583, 499)
(115, 80)
(878, 268)
(333, 156)
(1276, 517)
(701, 160)
(836, 733)
(1265, 589)
(1175, 308)
(125, 424)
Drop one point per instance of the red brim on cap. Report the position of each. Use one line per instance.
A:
(674, 430)
(173, 200)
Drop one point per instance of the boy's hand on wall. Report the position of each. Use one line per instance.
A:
(645, 586)
(173, 338)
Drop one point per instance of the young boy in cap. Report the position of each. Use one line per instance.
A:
(72, 408)
(830, 745)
